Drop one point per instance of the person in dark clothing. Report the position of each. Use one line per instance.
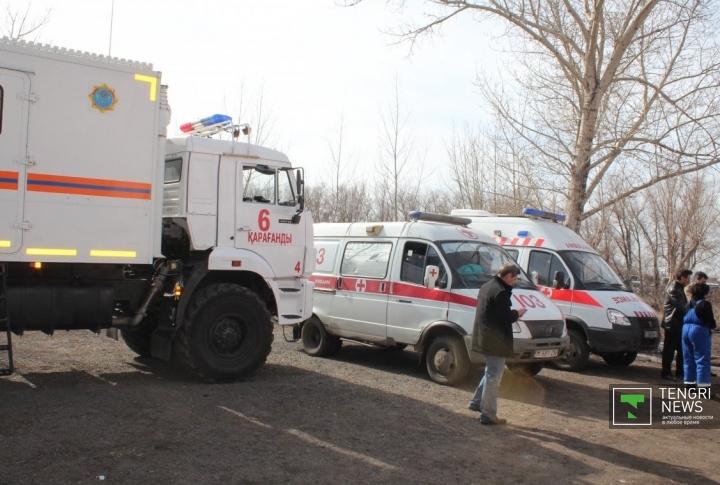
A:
(493, 337)
(698, 324)
(672, 323)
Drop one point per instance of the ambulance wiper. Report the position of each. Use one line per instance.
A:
(601, 285)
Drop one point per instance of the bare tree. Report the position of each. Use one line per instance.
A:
(254, 111)
(629, 87)
(23, 24)
(398, 155)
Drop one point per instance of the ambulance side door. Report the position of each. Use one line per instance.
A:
(546, 264)
(412, 306)
(360, 303)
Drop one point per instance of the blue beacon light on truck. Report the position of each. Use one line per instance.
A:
(544, 215)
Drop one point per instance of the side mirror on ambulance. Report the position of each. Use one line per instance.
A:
(535, 277)
(431, 275)
(559, 280)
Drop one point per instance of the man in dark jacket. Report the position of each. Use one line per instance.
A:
(493, 337)
(672, 323)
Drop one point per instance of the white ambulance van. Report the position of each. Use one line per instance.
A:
(603, 315)
(395, 284)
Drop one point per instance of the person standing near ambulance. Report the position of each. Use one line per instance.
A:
(672, 323)
(493, 337)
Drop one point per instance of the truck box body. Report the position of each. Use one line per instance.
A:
(81, 156)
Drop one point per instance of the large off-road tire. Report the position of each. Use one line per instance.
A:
(447, 360)
(138, 340)
(316, 341)
(577, 356)
(620, 358)
(526, 370)
(227, 334)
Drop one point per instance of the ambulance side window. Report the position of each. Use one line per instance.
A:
(545, 264)
(365, 259)
(413, 263)
(513, 253)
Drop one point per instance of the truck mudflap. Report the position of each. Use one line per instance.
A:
(527, 350)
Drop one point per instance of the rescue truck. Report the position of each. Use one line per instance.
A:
(394, 284)
(603, 315)
(191, 247)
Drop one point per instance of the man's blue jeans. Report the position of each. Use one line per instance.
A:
(486, 394)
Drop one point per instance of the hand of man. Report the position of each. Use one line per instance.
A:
(521, 312)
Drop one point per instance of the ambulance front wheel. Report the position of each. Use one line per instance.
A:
(620, 358)
(526, 370)
(447, 360)
(316, 341)
(577, 356)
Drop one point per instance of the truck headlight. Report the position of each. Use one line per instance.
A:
(516, 327)
(616, 317)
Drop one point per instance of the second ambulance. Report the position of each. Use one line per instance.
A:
(415, 283)
(603, 315)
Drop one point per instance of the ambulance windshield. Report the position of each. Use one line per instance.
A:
(592, 271)
(475, 263)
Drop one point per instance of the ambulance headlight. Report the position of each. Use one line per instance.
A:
(616, 317)
(516, 327)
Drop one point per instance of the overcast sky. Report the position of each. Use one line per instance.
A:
(313, 59)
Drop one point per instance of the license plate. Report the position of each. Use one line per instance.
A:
(542, 354)
(651, 334)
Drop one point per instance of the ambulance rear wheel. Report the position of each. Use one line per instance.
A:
(577, 356)
(227, 335)
(315, 339)
(620, 358)
(447, 360)
(526, 370)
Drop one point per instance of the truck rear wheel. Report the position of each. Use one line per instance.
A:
(227, 335)
(577, 356)
(316, 341)
(620, 358)
(447, 360)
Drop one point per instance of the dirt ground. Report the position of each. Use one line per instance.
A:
(82, 408)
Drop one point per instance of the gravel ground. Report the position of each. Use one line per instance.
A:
(82, 408)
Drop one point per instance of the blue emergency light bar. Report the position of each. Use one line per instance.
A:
(543, 215)
(211, 122)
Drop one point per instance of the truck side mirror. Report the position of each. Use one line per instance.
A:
(559, 280)
(431, 276)
(300, 188)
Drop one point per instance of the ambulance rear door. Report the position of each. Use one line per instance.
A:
(14, 106)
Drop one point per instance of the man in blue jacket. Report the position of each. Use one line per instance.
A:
(492, 337)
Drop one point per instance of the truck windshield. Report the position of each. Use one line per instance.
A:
(475, 263)
(592, 272)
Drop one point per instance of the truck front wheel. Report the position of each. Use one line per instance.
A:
(227, 335)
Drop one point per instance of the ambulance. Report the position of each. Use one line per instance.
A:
(603, 315)
(395, 284)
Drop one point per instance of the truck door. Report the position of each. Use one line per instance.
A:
(360, 303)
(14, 105)
(412, 306)
(264, 210)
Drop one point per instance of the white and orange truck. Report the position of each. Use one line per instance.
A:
(191, 247)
